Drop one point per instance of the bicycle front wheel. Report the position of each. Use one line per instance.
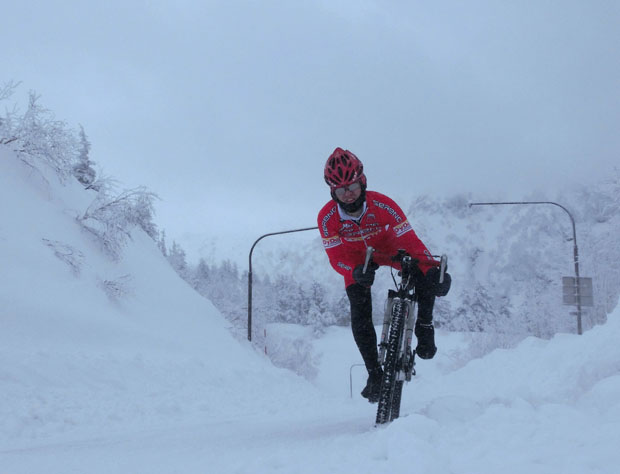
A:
(391, 389)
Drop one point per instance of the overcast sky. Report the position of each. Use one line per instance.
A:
(229, 109)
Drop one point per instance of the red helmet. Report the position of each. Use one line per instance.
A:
(343, 168)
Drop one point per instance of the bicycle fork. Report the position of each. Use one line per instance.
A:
(406, 355)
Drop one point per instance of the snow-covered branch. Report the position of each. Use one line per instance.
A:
(111, 217)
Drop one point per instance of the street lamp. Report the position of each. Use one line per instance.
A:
(250, 272)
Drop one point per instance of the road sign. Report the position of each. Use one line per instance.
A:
(569, 291)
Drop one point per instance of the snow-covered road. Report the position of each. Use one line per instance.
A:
(254, 444)
(455, 421)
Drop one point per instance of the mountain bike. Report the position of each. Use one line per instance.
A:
(395, 353)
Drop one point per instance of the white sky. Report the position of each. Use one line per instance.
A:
(229, 109)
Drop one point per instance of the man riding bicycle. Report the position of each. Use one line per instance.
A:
(354, 220)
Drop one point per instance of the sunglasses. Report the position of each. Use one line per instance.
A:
(340, 192)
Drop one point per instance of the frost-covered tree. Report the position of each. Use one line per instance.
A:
(288, 301)
(202, 276)
(37, 136)
(7, 126)
(340, 308)
(40, 135)
(83, 169)
(319, 312)
(221, 284)
(112, 215)
(177, 258)
(161, 243)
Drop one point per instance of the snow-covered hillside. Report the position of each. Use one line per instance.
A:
(119, 367)
(91, 344)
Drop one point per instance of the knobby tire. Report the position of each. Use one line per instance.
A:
(398, 391)
(391, 389)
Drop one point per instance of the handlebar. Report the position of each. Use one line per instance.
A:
(401, 257)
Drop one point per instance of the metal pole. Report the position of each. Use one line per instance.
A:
(250, 272)
(575, 249)
(351, 377)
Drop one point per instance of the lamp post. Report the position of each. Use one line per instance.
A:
(250, 272)
(575, 249)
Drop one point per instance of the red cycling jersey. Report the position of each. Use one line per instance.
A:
(383, 226)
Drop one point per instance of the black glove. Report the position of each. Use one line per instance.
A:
(432, 282)
(365, 279)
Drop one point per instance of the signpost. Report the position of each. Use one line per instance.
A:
(570, 291)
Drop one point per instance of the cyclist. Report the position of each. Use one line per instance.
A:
(356, 219)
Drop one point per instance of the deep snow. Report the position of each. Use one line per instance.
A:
(151, 381)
